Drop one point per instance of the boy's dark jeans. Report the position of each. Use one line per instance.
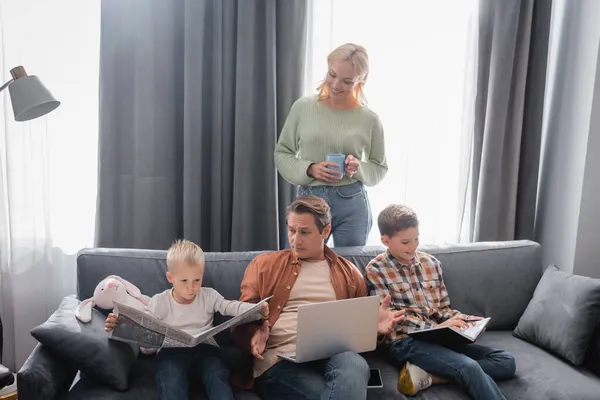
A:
(176, 365)
(474, 367)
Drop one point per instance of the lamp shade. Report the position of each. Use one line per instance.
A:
(30, 98)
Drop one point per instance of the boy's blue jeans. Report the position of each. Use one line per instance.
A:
(351, 218)
(176, 365)
(341, 377)
(472, 366)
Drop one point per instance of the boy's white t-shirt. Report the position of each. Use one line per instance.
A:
(197, 316)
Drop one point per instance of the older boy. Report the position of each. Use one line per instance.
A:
(414, 281)
(190, 307)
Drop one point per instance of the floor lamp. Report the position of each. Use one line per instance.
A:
(30, 99)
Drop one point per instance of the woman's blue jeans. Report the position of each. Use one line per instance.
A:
(351, 219)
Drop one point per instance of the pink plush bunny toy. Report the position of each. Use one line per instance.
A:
(112, 288)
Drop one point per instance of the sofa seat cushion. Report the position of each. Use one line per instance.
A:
(540, 375)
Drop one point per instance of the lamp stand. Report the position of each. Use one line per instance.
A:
(6, 85)
(16, 73)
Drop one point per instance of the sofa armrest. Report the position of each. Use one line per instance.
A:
(6, 377)
(44, 376)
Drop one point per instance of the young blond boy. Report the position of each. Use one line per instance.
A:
(190, 307)
(415, 282)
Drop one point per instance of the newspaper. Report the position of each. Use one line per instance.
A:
(137, 327)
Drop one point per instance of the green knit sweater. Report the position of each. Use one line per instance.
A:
(312, 130)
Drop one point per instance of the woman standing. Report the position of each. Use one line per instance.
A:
(336, 124)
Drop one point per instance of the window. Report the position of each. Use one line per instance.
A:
(418, 54)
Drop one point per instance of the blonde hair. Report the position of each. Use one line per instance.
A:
(357, 55)
(184, 251)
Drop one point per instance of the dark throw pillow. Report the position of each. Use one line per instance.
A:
(593, 353)
(562, 315)
(87, 346)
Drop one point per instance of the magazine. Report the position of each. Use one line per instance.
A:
(449, 335)
(137, 327)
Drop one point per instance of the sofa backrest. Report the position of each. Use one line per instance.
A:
(494, 279)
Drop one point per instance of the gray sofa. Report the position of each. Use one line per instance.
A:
(491, 279)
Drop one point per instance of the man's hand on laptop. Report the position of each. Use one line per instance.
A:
(388, 318)
(258, 343)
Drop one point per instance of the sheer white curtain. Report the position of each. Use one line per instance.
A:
(419, 52)
(48, 165)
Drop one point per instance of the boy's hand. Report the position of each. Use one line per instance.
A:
(470, 318)
(388, 318)
(258, 343)
(264, 310)
(111, 322)
(457, 322)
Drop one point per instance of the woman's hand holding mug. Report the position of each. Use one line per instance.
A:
(352, 165)
(324, 172)
(331, 170)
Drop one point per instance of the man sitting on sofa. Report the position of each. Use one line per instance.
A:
(415, 281)
(308, 272)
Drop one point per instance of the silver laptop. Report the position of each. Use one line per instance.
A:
(333, 327)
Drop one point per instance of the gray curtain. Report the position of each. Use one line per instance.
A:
(500, 182)
(193, 94)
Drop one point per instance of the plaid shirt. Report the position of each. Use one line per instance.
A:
(418, 288)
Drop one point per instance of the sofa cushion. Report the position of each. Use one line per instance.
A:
(147, 268)
(593, 355)
(562, 315)
(44, 375)
(491, 279)
(87, 346)
(539, 376)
